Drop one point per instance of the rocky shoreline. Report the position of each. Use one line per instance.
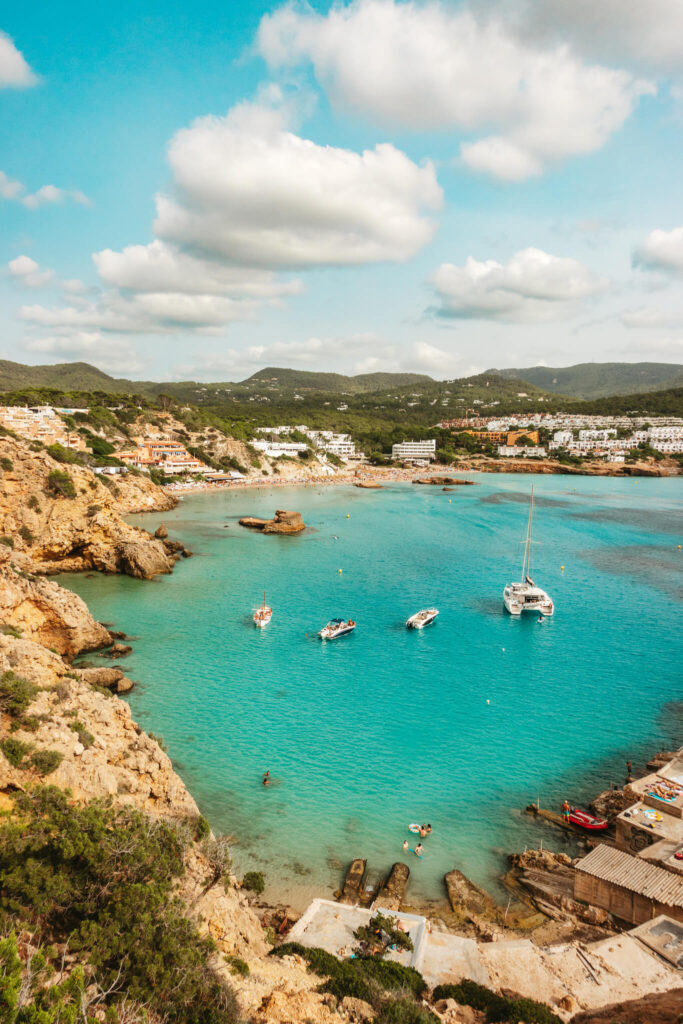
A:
(98, 751)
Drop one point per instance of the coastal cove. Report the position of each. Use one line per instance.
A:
(461, 725)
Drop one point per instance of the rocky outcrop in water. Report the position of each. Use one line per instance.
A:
(283, 522)
(444, 481)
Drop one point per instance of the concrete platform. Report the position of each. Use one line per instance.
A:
(331, 925)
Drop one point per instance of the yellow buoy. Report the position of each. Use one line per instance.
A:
(338, 570)
(562, 568)
(348, 516)
(450, 502)
(679, 547)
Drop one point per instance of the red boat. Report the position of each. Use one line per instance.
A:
(585, 820)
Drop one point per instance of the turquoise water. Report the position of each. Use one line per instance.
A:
(461, 725)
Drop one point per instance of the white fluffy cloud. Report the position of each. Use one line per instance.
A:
(112, 356)
(252, 193)
(428, 66)
(14, 71)
(532, 285)
(142, 313)
(661, 250)
(159, 267)
(646, 34)
(47, 195)
(28, 273)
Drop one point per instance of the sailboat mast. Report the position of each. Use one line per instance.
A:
(526, 565)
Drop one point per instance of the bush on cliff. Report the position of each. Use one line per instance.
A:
(15, 694)
(497, 1008)
(61, 454)
(60, 484)
(14, 750)
(102, 878)
(254, 881)
(46, 762)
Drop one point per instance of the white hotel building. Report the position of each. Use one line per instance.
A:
(414, 451)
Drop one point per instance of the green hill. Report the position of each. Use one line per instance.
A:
(338, 383)
(598, 380)
(65, 376)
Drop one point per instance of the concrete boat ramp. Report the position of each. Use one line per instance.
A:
(569, 977)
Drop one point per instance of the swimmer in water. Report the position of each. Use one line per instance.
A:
(266, 779)
(418, 850)
(405, 845)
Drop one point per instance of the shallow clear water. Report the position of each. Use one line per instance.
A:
(461, 725)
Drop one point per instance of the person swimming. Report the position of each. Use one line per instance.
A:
(418, 850)
(405, 845)
(266, 779)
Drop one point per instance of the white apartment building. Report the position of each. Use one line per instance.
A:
(561, 438)
(276, 449)
(508, 450)
(411, 451)
(597, 435)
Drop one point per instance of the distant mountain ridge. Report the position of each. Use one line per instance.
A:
(600, 380)
(337, 382)
(585, 381)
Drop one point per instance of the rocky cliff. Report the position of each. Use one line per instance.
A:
(59, 517)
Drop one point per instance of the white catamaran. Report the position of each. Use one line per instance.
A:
(526, 596)
(263, 614)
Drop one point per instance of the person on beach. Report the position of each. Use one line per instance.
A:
(418, 850)
(566, 809)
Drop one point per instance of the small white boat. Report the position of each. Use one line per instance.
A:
(263, 614)
(422, 618)
(335, 628)
(526, 596)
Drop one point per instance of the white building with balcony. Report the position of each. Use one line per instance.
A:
(412, 451)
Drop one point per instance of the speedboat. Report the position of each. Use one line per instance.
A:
(423, 618)
(526, 596)
(263, 614)
(335, 628)
(588, 821)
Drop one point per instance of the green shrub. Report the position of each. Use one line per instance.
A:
(238, 966)
(29, 723)
(33, 503)
(85, 737)
(61, 454)
(348, 983)
(8, 630)
(391, 975)
(60, 484)
(15, 694)
(254, 881)
(104, 879)
(46, 762)
(202, 829)
(158, 739)
(6, 464)
(497, 1008)
(26, 534)
(7, 541)
(404, 1011)
(14, 750)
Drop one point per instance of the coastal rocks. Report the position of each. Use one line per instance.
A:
(41, 610)
(369, 485)
(548, 878)
(63, 517)
(161, 533)
(393, 892)
(612, 802)
(357, 1010)
(444, 481)
(116, 651)
(466, 898)
(283, 522)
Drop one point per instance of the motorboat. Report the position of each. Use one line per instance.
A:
(336, 628)
(526, 596)
(422, 618)
(588, 821)
(263, 614)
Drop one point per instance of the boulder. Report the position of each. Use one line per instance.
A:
(116, 651)
(161, 533)
(283, 522)
(357, 1009)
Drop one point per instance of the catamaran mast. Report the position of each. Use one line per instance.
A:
(526, 566)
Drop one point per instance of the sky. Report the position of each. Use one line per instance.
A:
(198, 190)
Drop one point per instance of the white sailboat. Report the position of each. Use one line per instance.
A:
(263, 614)
(526, 596)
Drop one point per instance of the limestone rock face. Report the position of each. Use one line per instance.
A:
(54, 533)
(47, 613)
(283, 522)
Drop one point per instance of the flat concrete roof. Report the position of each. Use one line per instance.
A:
(654, 821)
